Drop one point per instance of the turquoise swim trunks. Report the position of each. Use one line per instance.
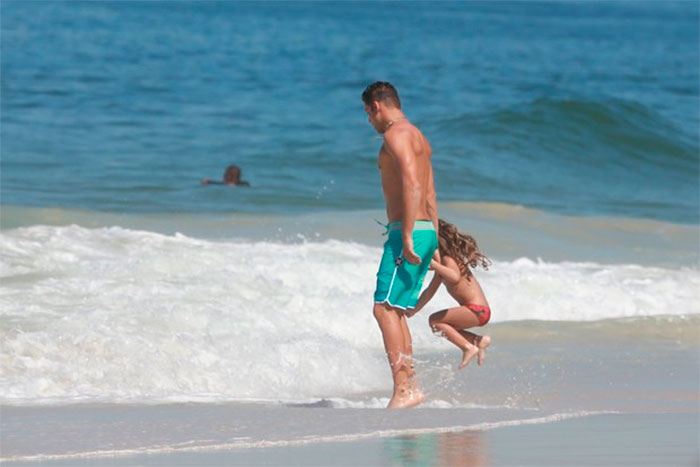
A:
(398, 281)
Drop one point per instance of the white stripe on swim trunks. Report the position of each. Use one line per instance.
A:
(391, 286)
(386, 300)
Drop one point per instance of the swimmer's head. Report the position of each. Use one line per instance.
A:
(232, 176)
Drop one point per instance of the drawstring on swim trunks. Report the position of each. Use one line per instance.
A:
(386, 226)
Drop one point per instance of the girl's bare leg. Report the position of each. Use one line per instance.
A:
(450, 323)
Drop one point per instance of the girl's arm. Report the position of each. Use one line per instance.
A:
(427, 294)
(448, 270)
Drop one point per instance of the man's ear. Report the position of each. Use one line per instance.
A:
(374, 107)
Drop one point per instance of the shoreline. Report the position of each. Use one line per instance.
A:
(564, 439)
(504, 232)
(22, 215)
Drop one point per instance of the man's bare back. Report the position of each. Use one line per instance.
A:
(391, 175)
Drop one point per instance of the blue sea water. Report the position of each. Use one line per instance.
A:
(582, 108)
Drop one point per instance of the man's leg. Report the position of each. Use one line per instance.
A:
(407, 349)
(407, 341)
(395, 344)
(416, 394)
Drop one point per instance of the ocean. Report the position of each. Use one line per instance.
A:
(146, 319)
(574, 107)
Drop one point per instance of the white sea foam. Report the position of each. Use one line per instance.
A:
(122, 315)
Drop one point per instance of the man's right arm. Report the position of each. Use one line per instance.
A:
(431, 199)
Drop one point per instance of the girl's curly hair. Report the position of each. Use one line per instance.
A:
(461, 247)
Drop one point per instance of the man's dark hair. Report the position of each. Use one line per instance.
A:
(383, 92)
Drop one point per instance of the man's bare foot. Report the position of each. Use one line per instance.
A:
(406, 399)
(469, 352)
(417, 397)
(482, 344)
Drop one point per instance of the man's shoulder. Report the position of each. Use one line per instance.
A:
(399, 136)
(409, 138)
(402, 130)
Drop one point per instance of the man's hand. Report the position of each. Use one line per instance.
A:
(410, 312)
(408, 252)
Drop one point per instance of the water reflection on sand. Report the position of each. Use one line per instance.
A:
(465, 448)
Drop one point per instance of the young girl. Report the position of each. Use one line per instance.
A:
(457, 253)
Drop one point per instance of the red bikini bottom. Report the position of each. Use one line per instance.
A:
(482, 312)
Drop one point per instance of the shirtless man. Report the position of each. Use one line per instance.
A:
(411, 209)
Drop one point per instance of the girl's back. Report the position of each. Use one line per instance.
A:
(467, 290)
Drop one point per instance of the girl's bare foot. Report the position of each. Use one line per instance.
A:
(469, 351)
(482, 344)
